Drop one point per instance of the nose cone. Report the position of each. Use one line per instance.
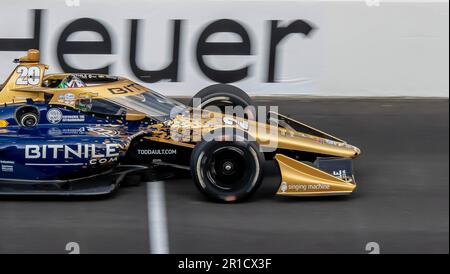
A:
(357, 151)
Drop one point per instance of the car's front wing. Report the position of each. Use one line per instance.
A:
(301, 179)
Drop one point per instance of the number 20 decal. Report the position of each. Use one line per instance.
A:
(28, 76)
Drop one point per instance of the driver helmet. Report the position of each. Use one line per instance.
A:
(71, 81)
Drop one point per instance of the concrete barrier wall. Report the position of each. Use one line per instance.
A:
(319, 48)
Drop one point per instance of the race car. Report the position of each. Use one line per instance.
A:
(88, 134)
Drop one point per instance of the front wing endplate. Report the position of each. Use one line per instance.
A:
(299, 179)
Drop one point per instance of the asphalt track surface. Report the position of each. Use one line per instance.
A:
(401, 203)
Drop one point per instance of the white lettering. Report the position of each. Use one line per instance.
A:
(112, 150)
(32, 152)
(55, 150)
(94, 153)
(77, 153)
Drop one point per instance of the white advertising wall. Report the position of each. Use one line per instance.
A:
(318, 48)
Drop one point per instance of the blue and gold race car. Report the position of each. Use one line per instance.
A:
(87, 134)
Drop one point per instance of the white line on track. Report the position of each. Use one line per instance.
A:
(157, 219)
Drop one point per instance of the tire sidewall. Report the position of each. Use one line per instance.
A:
(204, 150)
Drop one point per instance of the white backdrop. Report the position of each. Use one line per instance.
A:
(355, 48)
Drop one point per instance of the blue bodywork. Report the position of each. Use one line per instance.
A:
(70, 146)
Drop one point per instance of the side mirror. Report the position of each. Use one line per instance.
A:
(136, 116)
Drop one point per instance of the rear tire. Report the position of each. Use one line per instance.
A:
(227, 171)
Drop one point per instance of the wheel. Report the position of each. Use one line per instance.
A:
(222, 95)
(227, 171)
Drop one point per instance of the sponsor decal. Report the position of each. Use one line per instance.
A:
(283, 187)
(341, 174)
(157, 151)
(8, 169)
(99, 77)
(7, 166)
(102, 161)
(307, 188)
(77, 151)
(54, 131)
(69, 99)
(3, 162)
(330, 142)
(130, 88)
(73, 118)
(28, 76)
(54, 116)
(232, 121)
(103, 131)
(61, 98)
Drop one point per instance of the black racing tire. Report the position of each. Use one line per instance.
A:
(222, 95)
(227, 171)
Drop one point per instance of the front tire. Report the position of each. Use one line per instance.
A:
(227, 171)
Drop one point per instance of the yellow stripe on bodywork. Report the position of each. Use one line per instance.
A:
(3, 123)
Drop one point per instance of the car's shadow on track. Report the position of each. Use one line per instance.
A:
(50, 198)
(69, 198)
(122, 190)
(180, 189)
(296, 199)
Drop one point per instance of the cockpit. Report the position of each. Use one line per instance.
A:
(77, 80)
(140, 101)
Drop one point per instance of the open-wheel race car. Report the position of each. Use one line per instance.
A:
(88, 134)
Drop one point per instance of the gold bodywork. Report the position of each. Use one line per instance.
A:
(14, 92)
(268, 136)
(300, 179)
(297, 178)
